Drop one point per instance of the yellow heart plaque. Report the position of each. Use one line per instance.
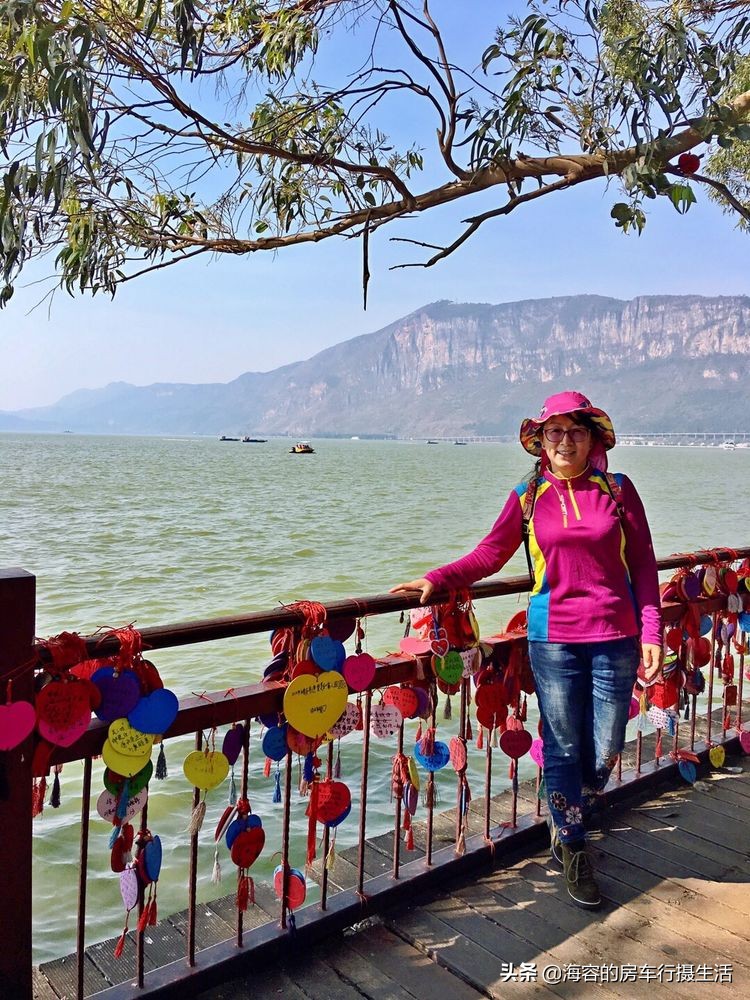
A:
(717, 756)
(205, 768)
(122, 763)
(413, 773)
(313, 704)
(128, 741)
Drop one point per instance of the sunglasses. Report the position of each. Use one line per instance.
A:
(576, 434)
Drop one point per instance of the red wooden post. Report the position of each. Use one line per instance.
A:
(17, 619)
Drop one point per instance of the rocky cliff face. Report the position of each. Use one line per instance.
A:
(453, 368)
(542, 340)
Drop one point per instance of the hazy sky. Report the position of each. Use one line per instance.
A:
(212, 321)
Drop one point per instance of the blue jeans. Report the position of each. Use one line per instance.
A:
(584, 691)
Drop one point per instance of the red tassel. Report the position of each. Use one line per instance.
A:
(510, 769)
(120, 946)
(418, 737)
(143, 919)
(480, 738)
(37, 796)
(469, 732)
(251, 892)
(410, 840)
(267, 768)
(407, 820)
(312, 823)
(657, 748)
(427, 743)
(153, 914)
(243, 892)
(126, 835)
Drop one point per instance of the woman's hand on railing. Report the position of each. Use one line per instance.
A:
(421, 584)
(652, 660)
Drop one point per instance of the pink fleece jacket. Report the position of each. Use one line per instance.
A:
(595, 577)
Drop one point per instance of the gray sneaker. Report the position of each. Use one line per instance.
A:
(579, 875)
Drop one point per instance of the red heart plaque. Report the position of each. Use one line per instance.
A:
(515, 742)
(63, 711)
(247, 846)
(402, 698)
(334, 798)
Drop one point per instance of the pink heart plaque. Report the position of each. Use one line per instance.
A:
(129, 888)
(385, 720)
(359, 671)
(17, 721)
(412, 646)
(350, 719)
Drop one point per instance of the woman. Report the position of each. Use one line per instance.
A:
(594, 609)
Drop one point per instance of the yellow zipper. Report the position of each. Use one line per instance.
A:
(573, 500)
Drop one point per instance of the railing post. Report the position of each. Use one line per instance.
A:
(17, 619)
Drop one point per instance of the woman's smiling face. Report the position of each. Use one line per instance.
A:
(567, 445)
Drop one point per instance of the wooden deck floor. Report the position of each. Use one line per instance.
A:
(674, 871)
(673, 868)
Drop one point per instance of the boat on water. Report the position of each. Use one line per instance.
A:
(302, 448)
(249, 440)
(433, 442)
(728, 445)
(460, 442)
(225, 438)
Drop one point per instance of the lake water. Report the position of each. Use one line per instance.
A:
(162, 530)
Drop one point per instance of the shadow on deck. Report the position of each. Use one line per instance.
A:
(674, 872)
(673, 865)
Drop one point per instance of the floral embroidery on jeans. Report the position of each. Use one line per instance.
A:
(557, 800)
(574, 815)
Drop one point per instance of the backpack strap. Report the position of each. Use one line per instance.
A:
(527, 513)
(615, 491)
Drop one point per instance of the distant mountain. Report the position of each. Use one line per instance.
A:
(656, 363)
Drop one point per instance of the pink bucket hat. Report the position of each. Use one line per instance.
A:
(565, 404)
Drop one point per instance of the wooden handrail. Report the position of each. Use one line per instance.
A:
(211, 629)
(20, 658)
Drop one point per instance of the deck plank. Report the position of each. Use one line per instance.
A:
(661, 822)
(464, 957)
(667, 890)
(265, 909)
(573, 937)
(561, 945)
(317, 980)
(210, 929)
(687, 931)
(695, 819)
(736, 783)
(264, 983)
(368, 973)
(63, 976)
(41, 988)
(688, 861)
(730, 895)
(417, 973)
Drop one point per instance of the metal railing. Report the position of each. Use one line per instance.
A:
(22, 659)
